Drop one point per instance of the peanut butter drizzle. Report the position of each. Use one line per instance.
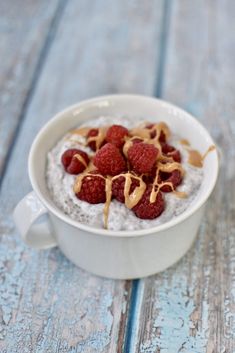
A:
(128, 144)
(132, 199)
(126, 147)
(143, 132)
(108, 191)
(81, 159)
(184, 142)
(163, 127)
(210, 149)
(79, 178)
(75, 141)
(196, 159)
(159, 127)
(180, 194)
(154, 191)
(98, 138)
(166, 159)
(167, 168)
(78, 182)
(170, 167)
(83, 131)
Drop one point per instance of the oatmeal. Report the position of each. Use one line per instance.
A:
(123, 173)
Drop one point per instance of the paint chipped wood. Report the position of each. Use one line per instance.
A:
(48, 304)
(23, 32)
(190, 307)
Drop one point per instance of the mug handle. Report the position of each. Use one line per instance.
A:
(34, 231)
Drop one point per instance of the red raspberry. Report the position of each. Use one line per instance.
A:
(92, 133)
(162, 137)
(167, 148)
(148, 178)
(109, 161)
(92, 189)
(116, 134)
(92, 144)
(136, 140)
(174, 177)
(118, 188)
(146, 210)
(142, 157)
(71, 163)
(170, 151)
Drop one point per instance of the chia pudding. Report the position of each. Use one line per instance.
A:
(61, 184)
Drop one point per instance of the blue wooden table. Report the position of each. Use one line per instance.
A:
(54, 53)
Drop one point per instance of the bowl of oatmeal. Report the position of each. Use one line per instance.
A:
(123, 181)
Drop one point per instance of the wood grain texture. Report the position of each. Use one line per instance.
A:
(47, 304)
(190, 307)
(24, 28)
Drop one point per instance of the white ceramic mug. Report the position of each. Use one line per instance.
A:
(115, 254)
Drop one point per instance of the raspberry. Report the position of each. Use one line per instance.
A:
(109, 161)
(116, 134)
(92, 189)
(92, 133)
(118, 188)
(146, 210)
(136, 140)
(162, 137)
(92, 144)
(170, 151)
(142, 157)
(174, 177)
(71, 163)
(148, 178)
(167, 148)
(175, 155)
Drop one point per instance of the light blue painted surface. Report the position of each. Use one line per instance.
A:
(22, 37)
(174, 325)
(190, 308)
(43, 296)
(173, 322)
(50, 305)
(47, 304)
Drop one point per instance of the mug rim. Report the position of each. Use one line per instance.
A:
(125, 233)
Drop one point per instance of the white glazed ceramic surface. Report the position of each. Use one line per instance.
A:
(115, 254)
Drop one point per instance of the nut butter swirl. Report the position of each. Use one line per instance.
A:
(131, 199)
(163, 163)
(144, 133)
(196, 158)
(98, 138)
(108, 191)
(82, 131)
(81, 159)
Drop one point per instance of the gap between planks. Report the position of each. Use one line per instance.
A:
(38, 68)
(137, 287)
(139, 83)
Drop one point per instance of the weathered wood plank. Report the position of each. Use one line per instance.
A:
(48, 305)
(23, 35)
(190, 307)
